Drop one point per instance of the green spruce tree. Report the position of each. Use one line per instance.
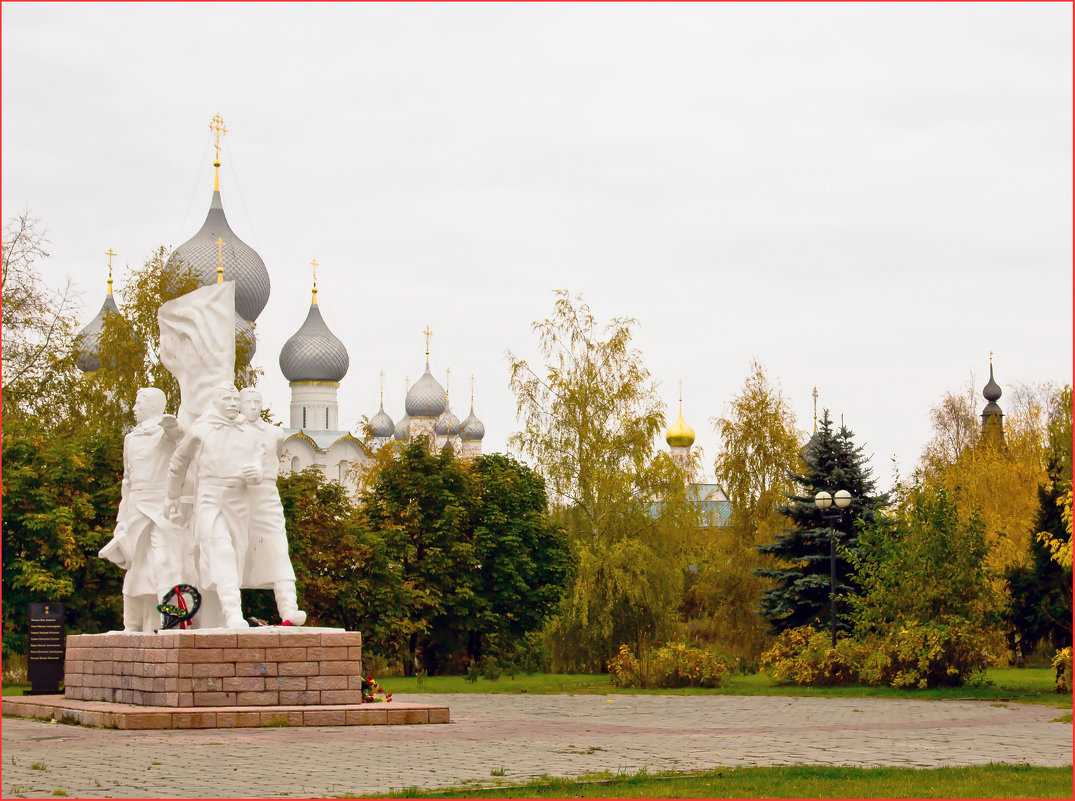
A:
(802, 575)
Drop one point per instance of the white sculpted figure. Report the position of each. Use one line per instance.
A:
(267, 561)
(228, 461)
(154, 551)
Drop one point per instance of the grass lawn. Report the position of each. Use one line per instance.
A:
(1027, 685)
(987, 781)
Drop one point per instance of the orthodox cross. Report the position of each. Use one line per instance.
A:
(218, 129)
(110, 253)
(314, 265)
(815, 409)
(428, 334)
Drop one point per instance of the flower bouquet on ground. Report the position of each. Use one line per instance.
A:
(372, 692)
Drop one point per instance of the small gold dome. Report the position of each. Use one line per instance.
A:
(680, 435)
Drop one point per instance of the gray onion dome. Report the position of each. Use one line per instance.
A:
(241, 262)
(89, 338)
(314, 353)
(403, 428)
(447, 424)
(382, 425)
(472, 429)
(427, 397)
(992, 391)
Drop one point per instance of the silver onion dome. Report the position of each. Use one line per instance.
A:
(381, 425)
(403, 428)
(427, 397)
(89, 338)
(314, 353)
(472, 428)
(447, 424)
(241, 262)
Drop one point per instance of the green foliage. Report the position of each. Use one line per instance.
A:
(344, 573)
(924, 562)
(589, 421)
(802, 582)
(672, 665)
(61, 492)
(479, 561)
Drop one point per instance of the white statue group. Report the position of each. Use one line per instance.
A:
(218, 526)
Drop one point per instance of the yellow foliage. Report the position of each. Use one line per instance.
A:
(1060, 550)
(1001, 486)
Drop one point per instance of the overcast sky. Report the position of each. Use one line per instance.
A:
(864, 198)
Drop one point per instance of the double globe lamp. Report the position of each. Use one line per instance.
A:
(823, 501)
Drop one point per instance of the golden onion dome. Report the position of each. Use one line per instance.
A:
(680, 435)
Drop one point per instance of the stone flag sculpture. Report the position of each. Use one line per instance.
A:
(197, 345)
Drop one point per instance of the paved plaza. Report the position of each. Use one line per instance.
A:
(525, 736)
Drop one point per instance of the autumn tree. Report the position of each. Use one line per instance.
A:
(39, 324)
(590, 415)
(996, 482)
(801, 595)
(759, 450)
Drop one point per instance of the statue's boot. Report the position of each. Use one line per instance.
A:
(287, 603)
(233, 608)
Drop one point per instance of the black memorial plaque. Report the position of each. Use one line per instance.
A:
(45, 658)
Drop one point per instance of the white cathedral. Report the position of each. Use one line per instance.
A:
(313, 360)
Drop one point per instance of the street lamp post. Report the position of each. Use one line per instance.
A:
(823, 501)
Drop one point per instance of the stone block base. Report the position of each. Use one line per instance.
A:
(129, 716)
(272, 666)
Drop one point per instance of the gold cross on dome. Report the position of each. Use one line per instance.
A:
(314, 265)
(218, 129)
(110, 253)
(382, 387)
(428, 334)
(219, 260)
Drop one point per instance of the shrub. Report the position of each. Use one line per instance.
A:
(805, 656)
(672, 665)
(681, 665)
(1062, 666)
(624, 670)
(937, 653)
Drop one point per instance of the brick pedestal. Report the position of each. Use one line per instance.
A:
(271, 666)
